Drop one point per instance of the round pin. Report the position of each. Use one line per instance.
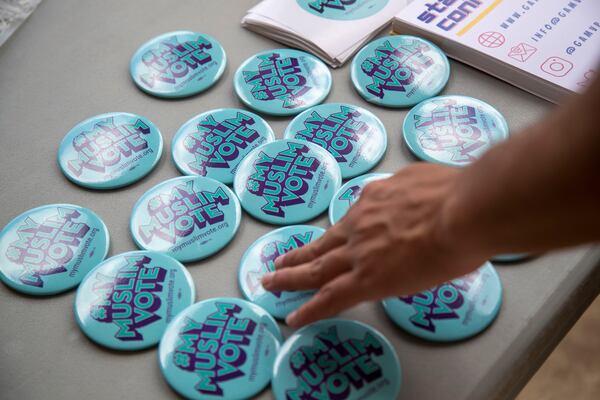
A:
(111, 150)
(126, 302)
(452, 311)
(399, 71)
(188, 218)
(282, 81)
(343, 10)
(287, 181)
(213, 143)
(337, 359)
(259, 259)
(355, 137)
(453, 130)
(178, 64)
(49, 249)
(349, 194)
(220, 348)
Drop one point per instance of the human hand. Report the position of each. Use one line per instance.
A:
(392, 242)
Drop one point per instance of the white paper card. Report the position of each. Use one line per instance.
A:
(336, 27)
(557, 41)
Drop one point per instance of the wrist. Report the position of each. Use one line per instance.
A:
(456, 230)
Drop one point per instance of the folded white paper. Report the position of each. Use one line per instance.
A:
(331, 29)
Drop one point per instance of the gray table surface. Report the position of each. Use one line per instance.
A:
(70, 61)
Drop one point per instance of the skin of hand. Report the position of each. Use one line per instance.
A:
(427, 224)
(389, 243)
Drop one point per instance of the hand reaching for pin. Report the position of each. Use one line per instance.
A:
(392, 242)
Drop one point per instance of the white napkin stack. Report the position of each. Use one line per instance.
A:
(333, 40)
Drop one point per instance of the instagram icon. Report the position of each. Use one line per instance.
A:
(556, 66)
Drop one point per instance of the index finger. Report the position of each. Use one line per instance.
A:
(331, 239)
(343, 292)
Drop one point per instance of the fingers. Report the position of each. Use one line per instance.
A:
(343, 292)
(376, 189)
(310, 275)
(331, 239)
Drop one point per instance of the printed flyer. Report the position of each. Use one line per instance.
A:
(548, 47)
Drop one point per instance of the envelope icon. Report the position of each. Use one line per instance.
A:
(522, 52)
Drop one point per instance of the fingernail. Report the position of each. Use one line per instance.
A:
(278, 262)
(267, 279)
(291, 319)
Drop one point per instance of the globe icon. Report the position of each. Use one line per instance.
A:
(491, 39)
